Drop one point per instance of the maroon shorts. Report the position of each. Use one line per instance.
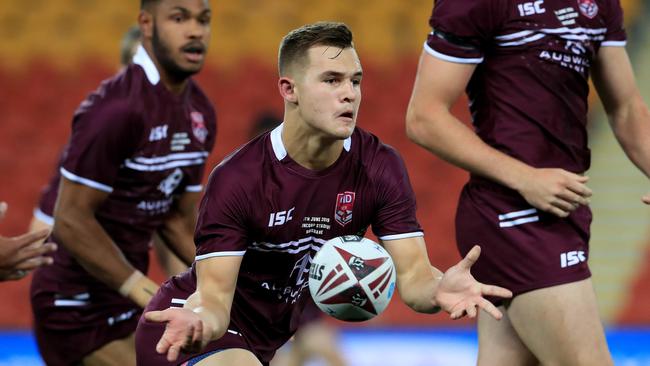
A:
(523, 248)
(149, 333)
(66, 330)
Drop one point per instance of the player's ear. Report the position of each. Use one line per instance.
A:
(145, 21)
(287, 88)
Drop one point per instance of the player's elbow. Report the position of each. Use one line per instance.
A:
(418, 123)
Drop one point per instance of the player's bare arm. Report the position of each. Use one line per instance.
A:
(206, 314)
(23, 253)
(628, 113)
(81, 234)
(426, 289)
(430, 124)
(178, 230)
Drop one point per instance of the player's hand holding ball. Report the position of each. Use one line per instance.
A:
(459, 294)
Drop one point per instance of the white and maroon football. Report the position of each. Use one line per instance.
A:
(352, 278)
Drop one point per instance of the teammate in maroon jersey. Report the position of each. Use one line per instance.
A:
(271, 205)
(525, 66)
(133, 165)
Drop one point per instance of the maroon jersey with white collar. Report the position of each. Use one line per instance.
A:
(528, 95)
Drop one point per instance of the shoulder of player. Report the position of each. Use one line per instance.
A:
(374, 154)
(241, 167)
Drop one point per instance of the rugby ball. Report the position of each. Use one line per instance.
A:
(352, 278)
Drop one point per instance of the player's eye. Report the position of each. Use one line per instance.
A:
(177, 18)
(331, 81)
(356, 82)
(204, 20)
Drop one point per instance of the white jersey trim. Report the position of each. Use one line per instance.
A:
(85, 181)
(613, 44)
(220, 254)
(457, 60)
(158, 167)
(401, 236)
(196, 188)
(42, 216)
(142, 58)
(281, 152)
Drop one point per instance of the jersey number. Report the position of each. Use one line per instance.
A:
(531, 8)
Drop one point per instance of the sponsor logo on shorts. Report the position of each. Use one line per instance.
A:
(572, 258)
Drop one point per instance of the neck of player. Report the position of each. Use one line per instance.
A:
(309, 147)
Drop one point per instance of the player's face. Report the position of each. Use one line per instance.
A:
(329, 91)
(181, 34)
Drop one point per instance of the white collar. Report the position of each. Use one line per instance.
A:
(142, 58)
(281, 152)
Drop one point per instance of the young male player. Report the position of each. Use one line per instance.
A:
(272, 204)
(525, 66)
(134, 164)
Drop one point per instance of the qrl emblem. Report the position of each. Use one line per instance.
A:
(198, 126)
(588, 8)
(344, 205)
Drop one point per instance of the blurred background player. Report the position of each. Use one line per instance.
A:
(44, 214)
(526, 69)
(247, 288)
(133, 165)
(21, 254)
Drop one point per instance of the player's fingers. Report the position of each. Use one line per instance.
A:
(16, 275)
(173, 352)
(33, 263)
(557, 212)
(197, 335)
(564, 205)
(490, 309)
(491, 290)
(458, 314)
(156, 316)
(646, 199)
(471, 257)
(3, 209)
(573, 197)
(29, 238)
(163, 344)
(580, 189)
(36, 252)
(471, 310)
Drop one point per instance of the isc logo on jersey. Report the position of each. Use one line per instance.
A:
(531, 8)
(280, 217)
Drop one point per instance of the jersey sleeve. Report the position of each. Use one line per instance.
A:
(221, 226)
(395, 212)
(103, 136)
(616, 35)
(462, 29)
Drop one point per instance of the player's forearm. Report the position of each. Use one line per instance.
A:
(178, 235)
(631, 125)
(417, 290)
(87, 241)
(438, 131)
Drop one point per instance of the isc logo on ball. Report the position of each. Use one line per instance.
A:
(352, 278)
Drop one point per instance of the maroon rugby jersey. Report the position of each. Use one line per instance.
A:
(261, 204)
(528, 95)
(143, 145)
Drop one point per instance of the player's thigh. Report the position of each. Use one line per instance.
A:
(499, 343)
(230, 357)
(561, 325)
(120, 352)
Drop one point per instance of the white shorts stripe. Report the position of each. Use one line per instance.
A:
(453, 59)
(196, 188)
(220, 254)
(64, 303)
(524, 220)
(42, 216)
(401, 236)
(613, 44)
(512, 215)
(85, 181)
(179, 301)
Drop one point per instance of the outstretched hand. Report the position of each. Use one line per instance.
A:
(184, 332)
(460, 294)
